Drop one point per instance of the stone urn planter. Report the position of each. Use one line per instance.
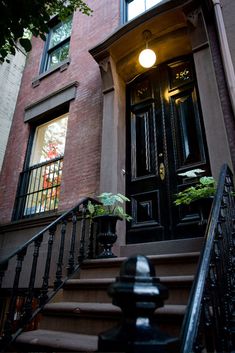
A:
(105, 215)
(106, 233)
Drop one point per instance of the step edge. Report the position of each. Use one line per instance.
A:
(105, 309)
(90, 263)
(107, 281)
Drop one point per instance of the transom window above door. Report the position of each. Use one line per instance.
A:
(136, 7)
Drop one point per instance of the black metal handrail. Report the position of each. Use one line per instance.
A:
(207, 323)
(40, 269)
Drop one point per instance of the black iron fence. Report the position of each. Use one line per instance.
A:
(39, 188)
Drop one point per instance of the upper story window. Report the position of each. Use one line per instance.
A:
(135, 7)
(57, 44)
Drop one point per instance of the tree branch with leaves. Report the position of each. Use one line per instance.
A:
(18, 16)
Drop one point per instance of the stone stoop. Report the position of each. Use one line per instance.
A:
(83, 309)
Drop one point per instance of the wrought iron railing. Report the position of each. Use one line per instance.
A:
(208, 322)
(39, 188)
(39, 268)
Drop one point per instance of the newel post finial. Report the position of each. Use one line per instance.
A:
(138, 293)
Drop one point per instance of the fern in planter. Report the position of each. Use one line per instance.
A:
(106, 216)
(204, 189)
(111, 204)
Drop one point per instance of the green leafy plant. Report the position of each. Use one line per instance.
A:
(16, 16)
(111, 204)
(205, 188)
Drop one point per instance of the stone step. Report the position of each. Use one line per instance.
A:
(166, 264)
(55, 341)
(83, 309)
(93, 318)
(95, 290)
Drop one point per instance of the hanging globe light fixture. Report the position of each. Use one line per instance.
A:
(147, 57)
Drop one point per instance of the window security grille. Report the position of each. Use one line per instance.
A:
(43, 190)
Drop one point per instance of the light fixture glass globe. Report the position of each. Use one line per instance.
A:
(147, 58)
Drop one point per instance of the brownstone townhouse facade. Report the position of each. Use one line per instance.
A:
(90, 119)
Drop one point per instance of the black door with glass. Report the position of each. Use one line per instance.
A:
(165, 140)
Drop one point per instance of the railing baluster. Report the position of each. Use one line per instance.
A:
(91, 240)
(3, 268)
(8, 327)
(36, 187)
(70, 267)
(44, 290)
(83, 234)
(58, 280)
(27, 309)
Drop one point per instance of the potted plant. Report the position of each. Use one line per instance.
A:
(200, 195)
(106, 215)
(204, 189)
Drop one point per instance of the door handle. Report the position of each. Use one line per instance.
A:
(162, 171)
(124, 172)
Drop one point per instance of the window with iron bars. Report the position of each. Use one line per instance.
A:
(39, 184)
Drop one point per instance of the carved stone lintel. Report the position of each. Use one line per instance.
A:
(192, 17)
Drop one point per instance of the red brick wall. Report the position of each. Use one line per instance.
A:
(82, 151)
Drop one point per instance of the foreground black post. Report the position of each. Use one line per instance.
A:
(138, 293)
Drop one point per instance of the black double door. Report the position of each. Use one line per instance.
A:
(165, 140)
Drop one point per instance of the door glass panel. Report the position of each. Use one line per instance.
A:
(189, 139)
(143, 144)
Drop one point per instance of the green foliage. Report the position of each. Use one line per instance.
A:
(16, 16)
(205, 188)
(111, 204)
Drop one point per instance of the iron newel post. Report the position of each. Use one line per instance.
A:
(138, 293)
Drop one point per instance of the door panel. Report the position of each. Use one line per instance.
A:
(188, 131)
(165, 138)
(143, 143)
(144, 140)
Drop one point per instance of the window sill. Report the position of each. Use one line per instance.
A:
(41, 220)
(62, 66)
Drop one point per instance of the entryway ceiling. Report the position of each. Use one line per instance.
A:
(169, 40)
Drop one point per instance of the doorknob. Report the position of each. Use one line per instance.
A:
(162, 171)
